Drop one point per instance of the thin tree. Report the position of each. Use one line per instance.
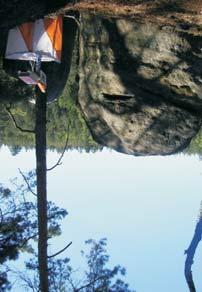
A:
(190, 253)
(41, 166)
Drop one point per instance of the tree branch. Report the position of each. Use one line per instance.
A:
(27, 239)
(71, 283)
(90, 283)
(28, 283)
(190, 252)
(27, 183)
(15, 123)
(62, 250)
(63, 152)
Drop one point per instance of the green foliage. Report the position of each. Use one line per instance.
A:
(195, 146)
(19, 222)
(4, 283)
(96, 278)
(16, 227)
(55, 215)
(19, 225)
(9, 135)
(99, 277)
(65, 119)
(12, 89)
(60, 114)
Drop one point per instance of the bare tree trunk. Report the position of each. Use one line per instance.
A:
(41, 189)
(190, 252)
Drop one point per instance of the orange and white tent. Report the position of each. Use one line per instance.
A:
(44, 37)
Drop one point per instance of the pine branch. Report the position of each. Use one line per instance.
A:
(63, 152)
(27, 183)
(62, 250)
(90, 283)
(15, 123)
(27, 239)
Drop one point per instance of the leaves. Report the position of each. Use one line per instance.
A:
(19, 223)
(97, 277)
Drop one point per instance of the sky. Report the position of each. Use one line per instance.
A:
(146, 207)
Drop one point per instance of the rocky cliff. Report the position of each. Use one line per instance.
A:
(140, 84)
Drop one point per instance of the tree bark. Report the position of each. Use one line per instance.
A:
(190, 252)
(41, 189)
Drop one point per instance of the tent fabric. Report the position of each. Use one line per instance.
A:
(44, 37)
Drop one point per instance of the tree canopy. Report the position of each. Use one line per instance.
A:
(19, 231)
(19, 222)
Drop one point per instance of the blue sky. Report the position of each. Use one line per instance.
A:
(146, 207)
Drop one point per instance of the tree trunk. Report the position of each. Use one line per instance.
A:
(41, 189)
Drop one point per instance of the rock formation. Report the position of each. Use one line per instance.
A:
(140, 84)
